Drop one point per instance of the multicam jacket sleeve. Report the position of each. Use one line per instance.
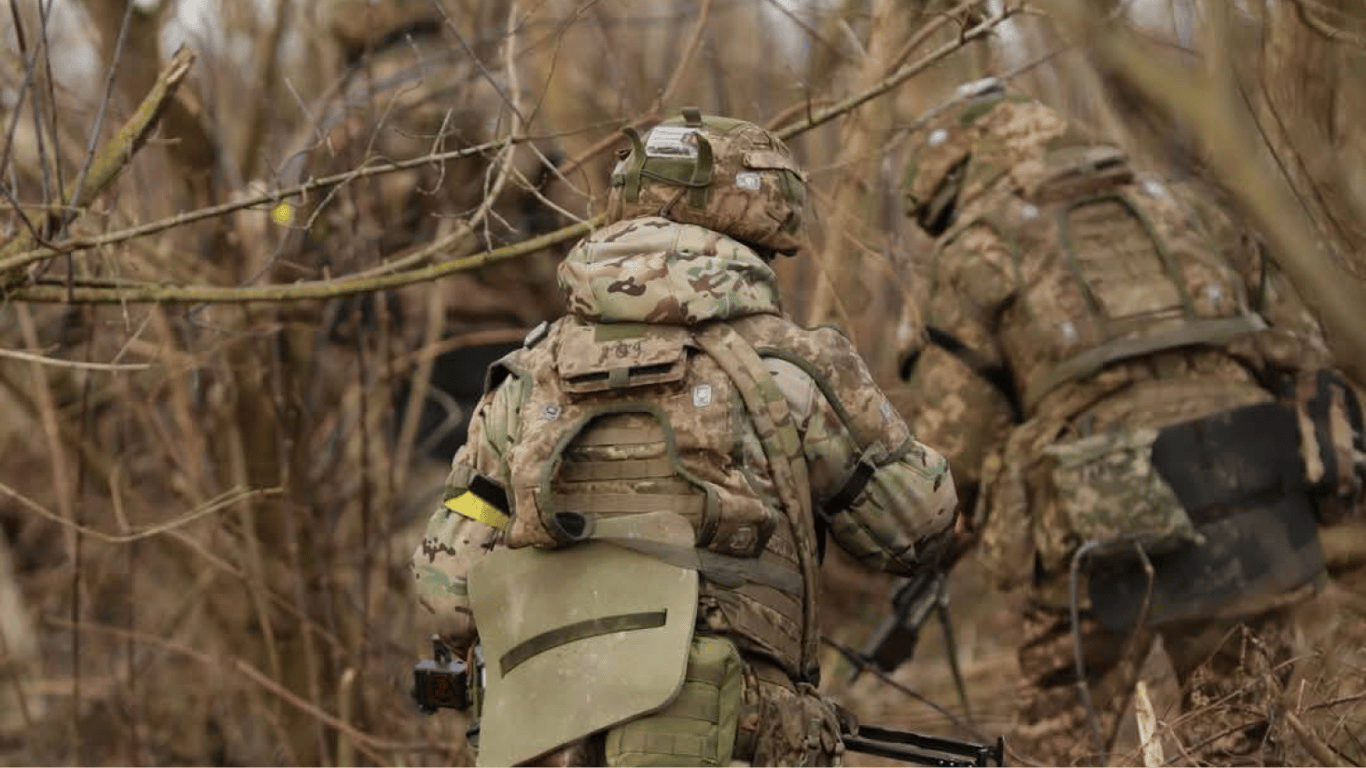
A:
(895, 512)
(452, 543)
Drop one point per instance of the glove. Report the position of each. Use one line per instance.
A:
(1332, 445)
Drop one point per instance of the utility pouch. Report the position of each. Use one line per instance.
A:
(698, 726)
(1106, 489)
(579, 639)
(1239, 475)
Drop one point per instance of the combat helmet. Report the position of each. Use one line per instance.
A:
(727, 175)
(982, 133)
(361, 24)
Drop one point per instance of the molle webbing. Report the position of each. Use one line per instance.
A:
(560, 472)
(691, 506)
(621, 469)
(1213, 332)
(768, 409)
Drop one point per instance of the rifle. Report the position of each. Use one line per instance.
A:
(894, 639)
(919, 749)
(444, 682)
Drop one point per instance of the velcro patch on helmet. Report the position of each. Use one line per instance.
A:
(672, 141)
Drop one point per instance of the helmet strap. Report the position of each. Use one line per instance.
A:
(701, 173)
(631, 181)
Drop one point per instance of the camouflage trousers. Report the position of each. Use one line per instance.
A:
(779, 724)
(1231, 673)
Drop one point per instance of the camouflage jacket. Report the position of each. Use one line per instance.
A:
(682, 279)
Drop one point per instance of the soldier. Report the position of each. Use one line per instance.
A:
(634, 525)
(409, 87)
(1110, 402)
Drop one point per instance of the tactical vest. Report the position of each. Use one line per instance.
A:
(1104, 270)
(628, 419)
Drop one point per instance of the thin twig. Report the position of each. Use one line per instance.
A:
(224, 501)
(18, 354)
(73, 205)
(684, 65)
(32, 255)
(824, 116)
(1312, 742)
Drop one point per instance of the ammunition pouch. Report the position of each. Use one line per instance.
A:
(698, 726)
(1106, 489)
(582, 638)
(786, 723)
(1239, 477)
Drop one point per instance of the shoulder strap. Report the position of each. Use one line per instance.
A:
(782, 446)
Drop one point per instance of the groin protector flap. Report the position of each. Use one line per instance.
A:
(579, 639)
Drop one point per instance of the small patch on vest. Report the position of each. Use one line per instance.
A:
(701, 395)
(1069, 331)
(742, 540)
(1028, 211)
(937, 136)
(671, 141)
(536, 334)
(1215, 293)
(551, 412)
(747, 180)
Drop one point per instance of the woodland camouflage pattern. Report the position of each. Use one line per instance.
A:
(645, 291)
(1052, 248)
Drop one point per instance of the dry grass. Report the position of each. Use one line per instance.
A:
(208, 504)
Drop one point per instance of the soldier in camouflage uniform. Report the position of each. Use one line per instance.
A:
(409, 88)
(1093, 369)
(634, 525)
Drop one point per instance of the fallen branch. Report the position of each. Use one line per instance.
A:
(1312, 742)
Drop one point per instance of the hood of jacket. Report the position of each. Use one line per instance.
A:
(652, 270)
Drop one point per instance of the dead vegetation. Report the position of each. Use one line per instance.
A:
(230, 268)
